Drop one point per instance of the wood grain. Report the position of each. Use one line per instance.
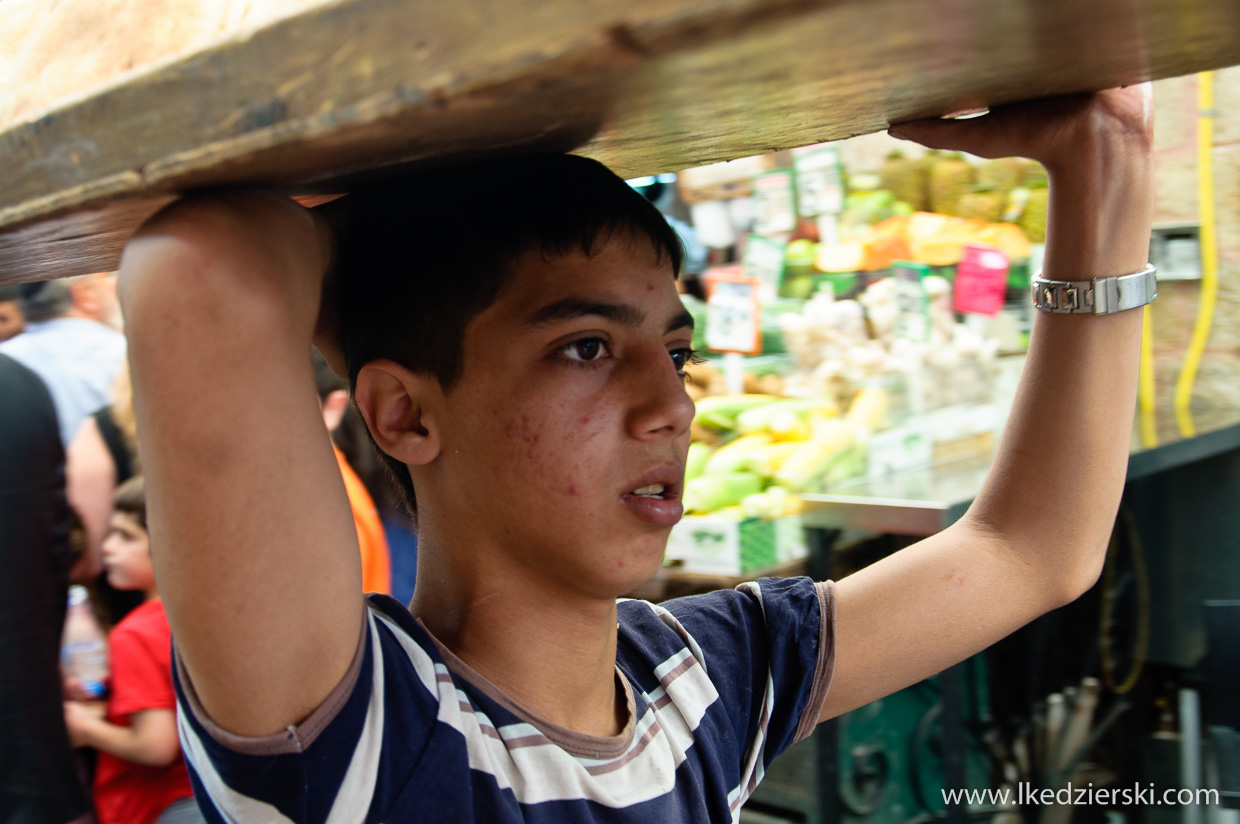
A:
(313, 101)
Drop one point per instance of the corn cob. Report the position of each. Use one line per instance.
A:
(711, 492)
(720, 411)
(766, 461)
(732, 457)
(695, 463)
(812, 460)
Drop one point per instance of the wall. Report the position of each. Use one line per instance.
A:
(1175, 140)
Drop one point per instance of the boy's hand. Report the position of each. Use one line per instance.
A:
(1061, 133)
(1098, 153)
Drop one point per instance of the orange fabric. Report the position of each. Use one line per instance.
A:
(376, 563)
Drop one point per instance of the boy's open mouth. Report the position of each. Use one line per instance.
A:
(653, 491)
(655, 496)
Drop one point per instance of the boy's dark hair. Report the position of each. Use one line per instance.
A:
(130, 498)
(417, 260)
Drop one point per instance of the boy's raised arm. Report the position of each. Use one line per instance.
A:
(1036, 536)
(251, 532)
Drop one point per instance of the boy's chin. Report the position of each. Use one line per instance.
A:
(635, 569)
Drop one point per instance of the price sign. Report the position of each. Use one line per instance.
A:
(733, 312)
(912, 303)
(764, 261)
(774, 207)
(820, 186)
(981, 280)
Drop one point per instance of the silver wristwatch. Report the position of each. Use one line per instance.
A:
(1100, 296)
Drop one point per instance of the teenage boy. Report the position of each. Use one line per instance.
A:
(516, 348)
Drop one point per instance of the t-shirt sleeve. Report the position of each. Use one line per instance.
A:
(337, 759)
(768, 648)
(141, 667)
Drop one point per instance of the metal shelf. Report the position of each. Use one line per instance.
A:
(927, 500)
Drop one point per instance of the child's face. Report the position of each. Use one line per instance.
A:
(127, 554)
(569, 401)
(10, 319)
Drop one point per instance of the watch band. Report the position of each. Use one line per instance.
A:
(1100, 296)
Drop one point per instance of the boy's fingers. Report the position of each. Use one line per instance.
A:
(985, 136)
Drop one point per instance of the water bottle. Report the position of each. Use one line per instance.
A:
(83, 648)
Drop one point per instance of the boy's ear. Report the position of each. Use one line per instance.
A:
(399, 408)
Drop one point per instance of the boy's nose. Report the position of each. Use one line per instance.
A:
(661, 406)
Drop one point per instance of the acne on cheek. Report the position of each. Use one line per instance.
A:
(523, 435)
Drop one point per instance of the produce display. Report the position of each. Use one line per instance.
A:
(923, 237)
(863, 336)
(838, 345)
(752, 454)
(926, 210)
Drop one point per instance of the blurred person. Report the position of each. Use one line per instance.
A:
(102, 456)
(72, 341)
(376, 561)
(11, 319)
(38, 775)
(140, 777)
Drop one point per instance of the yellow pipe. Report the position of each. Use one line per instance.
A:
(1209, 250)
(1145, 385)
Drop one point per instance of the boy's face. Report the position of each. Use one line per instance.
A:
(570, 401)
(127, 554)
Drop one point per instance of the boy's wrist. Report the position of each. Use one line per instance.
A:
(1101, 206)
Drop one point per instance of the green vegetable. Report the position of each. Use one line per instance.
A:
(720, 411)
(710, 492)
(699, 454)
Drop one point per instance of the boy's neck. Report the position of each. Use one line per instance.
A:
(554, 655)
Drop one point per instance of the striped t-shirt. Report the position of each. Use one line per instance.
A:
(717, 685)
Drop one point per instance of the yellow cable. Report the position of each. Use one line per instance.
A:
(1145, 385)
(1209, 252)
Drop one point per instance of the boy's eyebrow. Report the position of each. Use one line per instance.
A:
(684, 320)
(622, 313)
(571, 308)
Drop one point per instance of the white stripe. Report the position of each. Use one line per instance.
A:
(232, 806)
(544, 771)
(670, 620)
(358, 787)
(423, 666)
(754, 768)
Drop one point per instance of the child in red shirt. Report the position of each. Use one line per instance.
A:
(140, 777)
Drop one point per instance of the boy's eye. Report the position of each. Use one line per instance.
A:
(586, 349)
(684, 357)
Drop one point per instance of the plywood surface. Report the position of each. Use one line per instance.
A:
(97, 129)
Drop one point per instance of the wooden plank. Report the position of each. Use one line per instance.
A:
(317, 100)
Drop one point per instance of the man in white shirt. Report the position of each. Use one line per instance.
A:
(72, 342)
